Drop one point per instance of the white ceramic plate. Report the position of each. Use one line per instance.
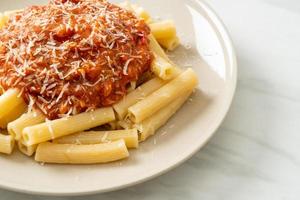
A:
(208, 50)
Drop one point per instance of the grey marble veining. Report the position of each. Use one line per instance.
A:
(256, 152)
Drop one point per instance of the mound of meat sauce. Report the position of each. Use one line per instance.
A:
(69, 57)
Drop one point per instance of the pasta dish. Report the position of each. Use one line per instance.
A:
(83, 81)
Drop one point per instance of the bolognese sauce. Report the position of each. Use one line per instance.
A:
(72, 56)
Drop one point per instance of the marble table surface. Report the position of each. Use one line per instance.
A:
(256, 152)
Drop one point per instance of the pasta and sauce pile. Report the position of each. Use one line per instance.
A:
(83, 81)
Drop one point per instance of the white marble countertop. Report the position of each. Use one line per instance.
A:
(256, 152)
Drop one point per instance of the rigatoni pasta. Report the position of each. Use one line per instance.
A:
(163, 96)
(121, 108)
(169, 44)
(25, 149)
(6, 144)
(11, 107)
(3, 20)
(163, 29)
(81, 154)
(4, 17)
(137, 10)
(153, 123)
(141, 13)
(86, 95)
(12, 115)
(157, 49)
(66, 126)
(16, 127)
(125, 124)
(162, 66)
(130, 137)
(165, 34)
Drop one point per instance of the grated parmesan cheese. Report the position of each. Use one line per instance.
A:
(80, 52)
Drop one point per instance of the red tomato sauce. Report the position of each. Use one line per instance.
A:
(69, 57)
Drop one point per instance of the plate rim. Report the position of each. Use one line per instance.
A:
(227, 40)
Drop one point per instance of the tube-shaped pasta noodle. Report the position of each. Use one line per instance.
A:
(3, 20)
(6, 144)
(153, 123)
(141, 13)
(170, 44)
(137, 10)
(155, 47)
(81, 154)
(163, 29)
(4, 17)
(95, 137)
(9, 100)
(138, 94)
(112, 125)
(16, 127)
(66, 126)
(12, 115)
(109, 126)
(165, 34)
(162, 66)
(163, 96)
(27, 150)
(11, 107)
(125, 124)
